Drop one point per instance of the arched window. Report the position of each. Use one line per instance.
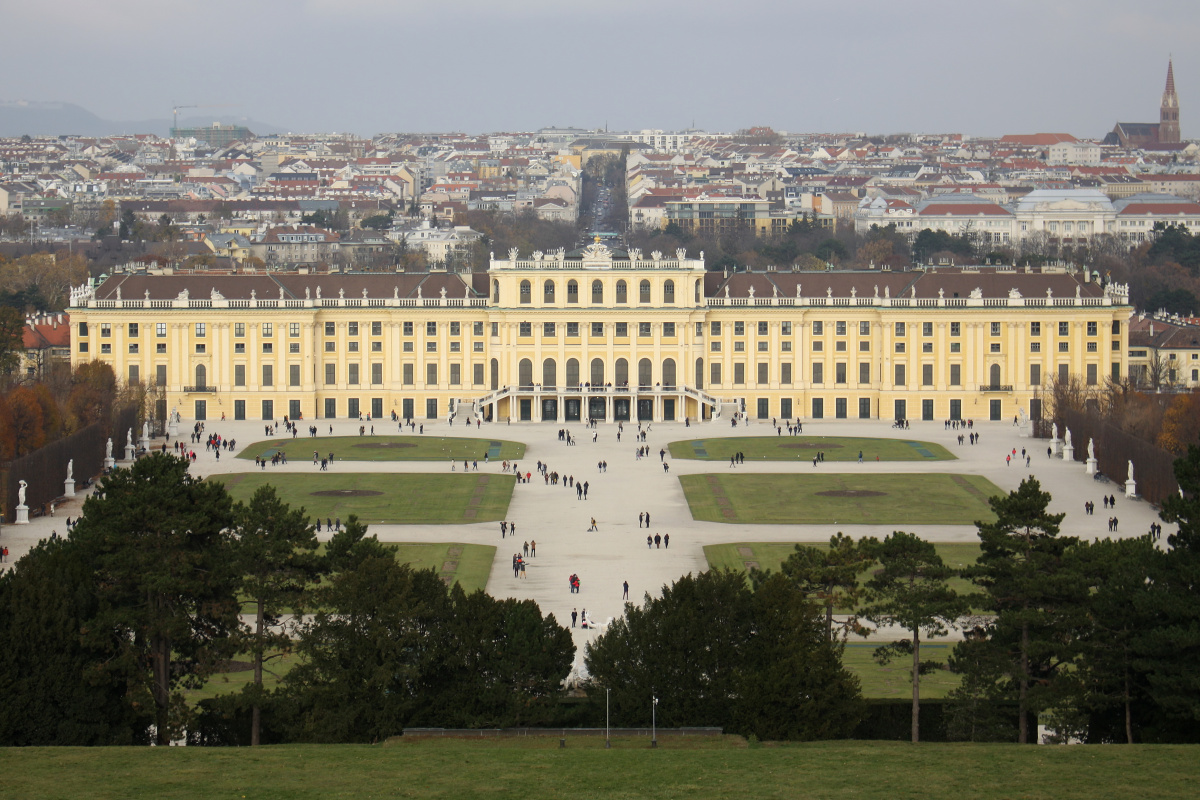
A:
(645, 374)
(597, 372)
(572, 372)
(495, 374)
(668, 376)
(597, 291)
(549, 373)
(697, 292)
(526, 292)
(669, 292)
(548, 292)
(699, 373)
(622, 292)
(621, 378)
(572, 291)
(525, 374)
(495, 291)
(644, 292)
(995, 375)
(201, 376)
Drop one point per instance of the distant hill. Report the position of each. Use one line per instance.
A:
(21, 117)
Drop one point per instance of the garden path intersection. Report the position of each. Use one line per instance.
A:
(558, 519)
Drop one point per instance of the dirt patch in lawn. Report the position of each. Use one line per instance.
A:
(384, 445)
(233, 666)
(345, 493)
(810, 446)
(852, 493)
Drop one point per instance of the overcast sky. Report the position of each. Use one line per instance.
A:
(980, 68)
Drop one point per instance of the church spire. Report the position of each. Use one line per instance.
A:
(1168, 115)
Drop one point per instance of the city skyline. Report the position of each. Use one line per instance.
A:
(367, 66)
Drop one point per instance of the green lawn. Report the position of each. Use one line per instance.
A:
(387, 448)
(839, 498)
(410, 498)
(894, 680)
(534, 767)
(804, 448)
(769, 555)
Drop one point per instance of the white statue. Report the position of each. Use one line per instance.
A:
(342, 293)
(318, 292)
(108, 448)
(1067, 438)
(146, 429)
(71, 470)
(21, 492)
(887, 291)
(129, 437)
(1054, 431)
(1130, 479)
(1091, 448)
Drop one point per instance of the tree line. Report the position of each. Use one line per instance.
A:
(164, 579)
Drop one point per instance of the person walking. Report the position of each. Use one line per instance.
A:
(574, 617)
(657, 540)
(625, 595)
(666, 541)
(593, 527)
(649, 541)
(532, 548)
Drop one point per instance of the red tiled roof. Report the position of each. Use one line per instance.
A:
(965, 210)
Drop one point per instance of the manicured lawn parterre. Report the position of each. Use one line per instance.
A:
(387, 448)
(408, 498)
(804, 448)
(839, 498)
(535, 767)
(769, 555)
(894, 681)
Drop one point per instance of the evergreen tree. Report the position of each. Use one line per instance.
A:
(910, 591)
(829, 576)
(159, 542)
(366, 652)
(1173, 645)
(715, 653)
(1109, 674)
(61, 686)
(275, 552)
(1035, 591)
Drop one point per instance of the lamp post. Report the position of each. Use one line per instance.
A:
(607, 729)
(654, 723)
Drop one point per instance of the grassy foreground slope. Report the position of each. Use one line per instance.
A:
(535, 768)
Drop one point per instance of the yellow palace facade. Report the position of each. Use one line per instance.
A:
(605, 335)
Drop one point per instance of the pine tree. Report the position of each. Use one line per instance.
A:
(910, 590)
(1035, 591)
(159, 541)
(276, 555)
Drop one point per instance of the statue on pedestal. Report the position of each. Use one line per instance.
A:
(1067, 439)
(1054, 432)
(71, 470)
(1091, 448)
(1130, 478)
(21, 492)
(108, 448)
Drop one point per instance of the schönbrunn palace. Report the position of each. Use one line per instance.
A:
(606, 335)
